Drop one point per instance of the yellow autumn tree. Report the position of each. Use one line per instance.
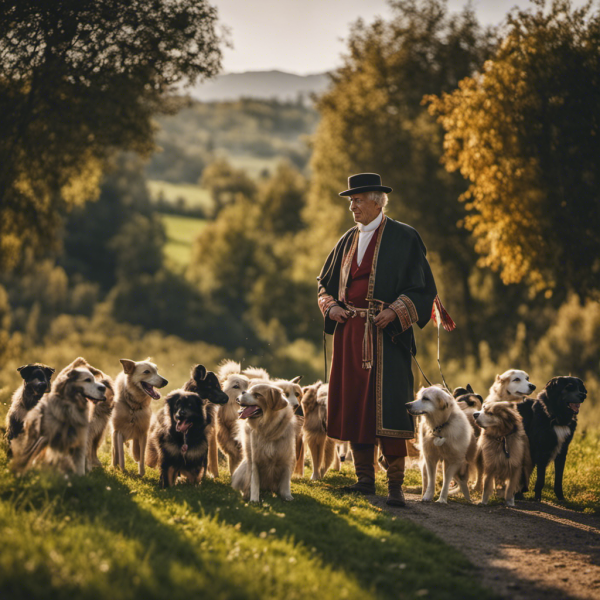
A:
(525, 134)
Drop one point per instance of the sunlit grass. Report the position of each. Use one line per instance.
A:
(114, 535)
(194, 195)
(181, 232)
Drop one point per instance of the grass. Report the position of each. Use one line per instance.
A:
(181, 232)
(114, 535)
(254, 165)
(194, 195)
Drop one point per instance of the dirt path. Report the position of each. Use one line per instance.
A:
(533, 551)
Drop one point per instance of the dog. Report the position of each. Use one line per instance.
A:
(206, 385)
(322, 448)
(344, 452)
(444, 435)
(36, 382)
(228, 431)
(269, 442)
(177, 442)
(99, 414)
(511, 386)
(502, 450)
(56, 429)
(469, 402)
(550, 423)
(132, 411)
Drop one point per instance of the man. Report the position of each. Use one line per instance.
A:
(374, 285)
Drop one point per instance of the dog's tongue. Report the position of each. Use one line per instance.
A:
(183, 426)
(574, 407)
(248, 411)
(150, 390)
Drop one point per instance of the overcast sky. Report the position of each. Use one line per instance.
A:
(306, 36)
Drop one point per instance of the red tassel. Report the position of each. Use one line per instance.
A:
(447, 323)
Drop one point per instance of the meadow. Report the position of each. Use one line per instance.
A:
(181, 232)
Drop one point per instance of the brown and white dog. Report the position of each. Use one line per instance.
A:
(36, 383)
(132, 412)
(444, 435)
(322, 448)
(502, 451)
(512, 386)
(56, 429)
(469, 402)
(269, 441)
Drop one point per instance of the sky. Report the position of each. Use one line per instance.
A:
(306, 36)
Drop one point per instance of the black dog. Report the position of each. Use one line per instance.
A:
(177, 441)
(550, 423)
(36, 382)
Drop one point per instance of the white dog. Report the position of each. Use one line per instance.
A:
(444, 434)
(511, 386)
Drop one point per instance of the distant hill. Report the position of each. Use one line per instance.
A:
(268, 85)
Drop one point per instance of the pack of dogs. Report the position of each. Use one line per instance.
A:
(263, 427)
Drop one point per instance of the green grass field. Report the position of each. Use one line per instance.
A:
(181, 232)
(194, 195)
(114, 535)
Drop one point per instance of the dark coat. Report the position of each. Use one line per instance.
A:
(400, 271)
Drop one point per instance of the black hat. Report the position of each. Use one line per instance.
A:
(365, 182)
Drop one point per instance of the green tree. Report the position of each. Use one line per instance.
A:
(81, 78)
(525, 134)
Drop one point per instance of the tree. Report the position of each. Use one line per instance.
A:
(372, 119)
(525, 134)
(81, 78)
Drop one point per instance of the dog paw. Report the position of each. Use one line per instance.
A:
(315, 477)
(482, 503)
(287, 497)
(252, 501)
(441, 500)
(426, 498)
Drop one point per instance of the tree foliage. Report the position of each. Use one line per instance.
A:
(81, 78)
(526, 135)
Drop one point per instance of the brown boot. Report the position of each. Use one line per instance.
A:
(364, 465)
(395, 477)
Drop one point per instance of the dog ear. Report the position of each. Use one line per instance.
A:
(49, 372)
(470, 389)
(128, 365)
(199, 373)
(297, 379)
(277, 399)
(72, 374)
(25, 371)
(171, 399)
(212, 380)
(554, 386)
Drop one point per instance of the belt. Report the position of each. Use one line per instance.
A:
(368, 314)
(363, 313)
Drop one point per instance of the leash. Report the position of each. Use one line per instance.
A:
(325, 355)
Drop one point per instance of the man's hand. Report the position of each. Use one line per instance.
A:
(337, 313)
(384, 318)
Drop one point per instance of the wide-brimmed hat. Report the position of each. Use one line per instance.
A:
(365, 182)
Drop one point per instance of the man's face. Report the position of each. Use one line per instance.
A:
(364, 210)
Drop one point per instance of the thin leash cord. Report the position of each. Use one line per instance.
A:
(325, 355)
(438, 359)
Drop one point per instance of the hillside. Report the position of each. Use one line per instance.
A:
(268, 85)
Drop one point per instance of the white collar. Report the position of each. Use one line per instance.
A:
(373, 225)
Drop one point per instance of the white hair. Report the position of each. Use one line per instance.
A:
(380, 198)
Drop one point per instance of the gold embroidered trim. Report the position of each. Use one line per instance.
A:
(406, 311)
(375, 257)
(326, 302)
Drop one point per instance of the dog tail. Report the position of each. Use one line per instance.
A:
(229, 367)
(23, 461)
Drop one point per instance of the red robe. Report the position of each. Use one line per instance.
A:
(351, 398)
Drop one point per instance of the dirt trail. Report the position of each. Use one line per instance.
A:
(533, 551)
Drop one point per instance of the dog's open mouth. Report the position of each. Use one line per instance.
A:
(574, 406)
(149, 389)
(413, 412)
(96, 400)
(250, 412)
(183, 425)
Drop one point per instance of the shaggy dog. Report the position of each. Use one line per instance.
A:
(131, 415)
(292, 392)
(322, 448)
(36, 382)
(511, 386)
(234, 384)
(269, 441)
(469, 402)
(444, 435)
(550, 423)
(177, 441)
(99, 413)
(206, 385)
(502, 450)
(56, 429)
